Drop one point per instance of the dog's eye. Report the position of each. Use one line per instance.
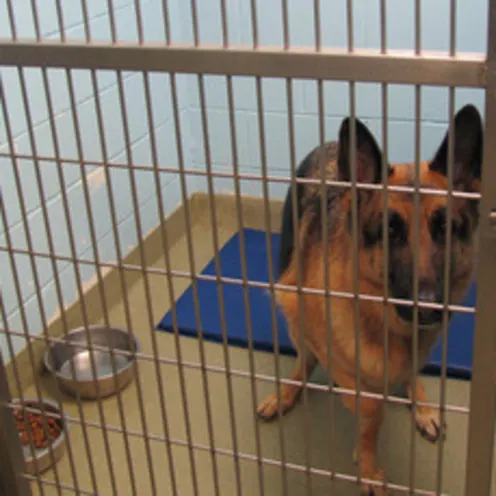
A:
(439, 223)
(397, 230)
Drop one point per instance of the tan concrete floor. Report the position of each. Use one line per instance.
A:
(395, 437)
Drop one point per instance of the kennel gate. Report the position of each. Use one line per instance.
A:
(314, 63)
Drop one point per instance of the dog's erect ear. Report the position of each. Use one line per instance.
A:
(468, 142)
(368, 154)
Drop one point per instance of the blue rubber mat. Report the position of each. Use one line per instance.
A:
(260, 312)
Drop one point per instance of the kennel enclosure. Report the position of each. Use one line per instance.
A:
(71, 71)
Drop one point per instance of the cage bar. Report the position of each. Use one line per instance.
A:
(249, 283)
(193, 277)
(468, 70)
(298, 256)
(327, 274)
(244, 276)
(246, 176)
(170, 286)
(218, 271)
(480, 465)
(271, 285)
(165, 248)
(416, 254)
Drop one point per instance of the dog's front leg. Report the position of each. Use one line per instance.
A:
(269, 408)
(427, 418)
(370, 411)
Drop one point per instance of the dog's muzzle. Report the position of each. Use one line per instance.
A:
(426, 316)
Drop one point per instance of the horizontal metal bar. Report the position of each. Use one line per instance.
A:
(248, 177)
(244, 456)
(234, 280)
(327, 64)
(242, 373)
(47, 482)
(235, 372)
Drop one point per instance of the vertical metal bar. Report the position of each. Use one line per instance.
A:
(285, 24)
(480, 464)
(324, 206)
(452, 28)
(385, 231)
(447, 262)
(254, 23)
(447, 288)
(385, 228)
(349, 22)
(244, 277)
(11, 455)
(354, 256)
(218, 273)
(317, 26)
(194, 282)
(167, 28)
(111, 14)
(165, 248)
(268, 240)
(299, 280)
(416, 250)
(194, 19)
(96, 257)
(86, 21)
(383, 22)
(60, 20)
(225, 26)
(36, 21)
(139, 21)
(13, 27)
(418, 28)
(122, 278)
(177, 123)
(146, 282)
(170, 285)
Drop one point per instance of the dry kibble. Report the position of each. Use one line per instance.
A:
(40, 438)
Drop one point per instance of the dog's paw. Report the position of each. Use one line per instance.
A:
(269, 409)
(429, 424)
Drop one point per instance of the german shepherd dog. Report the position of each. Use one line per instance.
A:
(467, 162)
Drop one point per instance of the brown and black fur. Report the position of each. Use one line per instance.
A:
(468, 142)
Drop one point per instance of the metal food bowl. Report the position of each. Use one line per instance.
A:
(39, 460)
(70, 361)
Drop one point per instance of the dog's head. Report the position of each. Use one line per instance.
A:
(431, 218)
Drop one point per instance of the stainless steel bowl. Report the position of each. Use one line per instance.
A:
(60, 358)
(42, 460)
